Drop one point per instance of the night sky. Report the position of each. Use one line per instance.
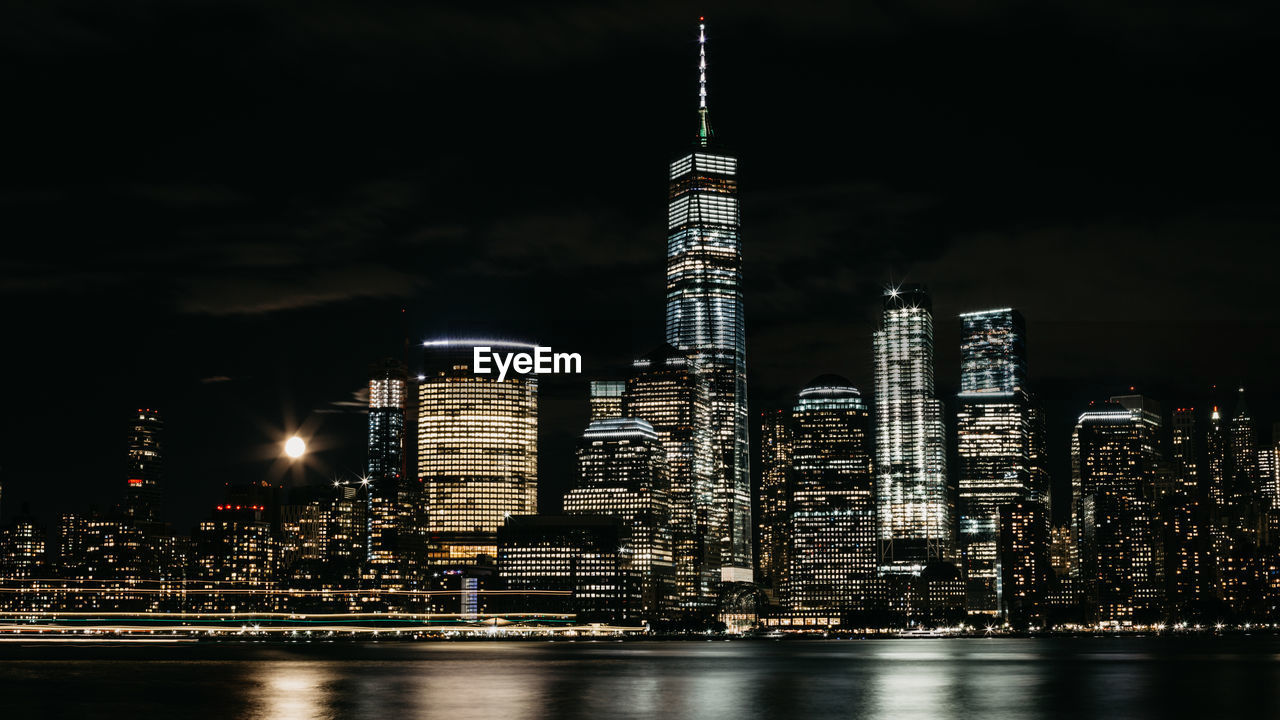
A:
(227, 210)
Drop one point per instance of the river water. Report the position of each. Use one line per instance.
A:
(961, 678)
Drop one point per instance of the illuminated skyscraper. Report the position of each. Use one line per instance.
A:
(1240, 523)
(993, 352)
(392, 498)
(477, 448)
(1216, 463)
(915, 512)
(1025, 565)
(143, 490)
(1116, 446)
(775, 459)
(622, 471)
(1189, 570)
(1272, 489)
(832, 552)
(1242, 447)
(1184, 444)
(705, 317)
(387, 384)
(324, 539)
(993, 437)
(669, 391)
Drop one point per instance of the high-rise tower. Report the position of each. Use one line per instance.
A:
(1242, 447)
(622, 471)
(831, 554)
(477, 448)
(387, 383)
(669, 392)
(993, 438)
(776, 445)
(1189, 573)
(705, 318)
(1116, 453)
(1272, 489)
(143, 492)
(914, 509)
(392, 499)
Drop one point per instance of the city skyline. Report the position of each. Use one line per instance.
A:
(312, 254)
(453, 460)
(354, 371)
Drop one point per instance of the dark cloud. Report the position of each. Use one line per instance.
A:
(265, 293)
(358, 403)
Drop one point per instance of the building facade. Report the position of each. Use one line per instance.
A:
(916, 515)
(669, 392)
(1025, 566)
(477, 448)
(622, 472)
(568, 564)
(144, 492)
(394, 544)
(606, 398)
(993, 443)
(831, 554)
(776, 443)
(1120, 559)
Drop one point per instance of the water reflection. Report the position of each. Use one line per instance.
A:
(291, 690)
(946, 679)
(482, 687)
(913, 684)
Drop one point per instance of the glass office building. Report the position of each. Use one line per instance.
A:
(914, 507)
(993, 444)
(705, 316)
(993, 357)
(387, 395)
(393, 500)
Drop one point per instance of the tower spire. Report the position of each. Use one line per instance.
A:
(704, 123)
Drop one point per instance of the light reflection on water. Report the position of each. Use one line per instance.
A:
(943, 679)
(291, 690)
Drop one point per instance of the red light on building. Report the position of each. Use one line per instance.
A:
(135, 481)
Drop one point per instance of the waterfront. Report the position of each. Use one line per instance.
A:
(1158, 677)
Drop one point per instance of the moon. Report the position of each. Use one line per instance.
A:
(294, 447)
